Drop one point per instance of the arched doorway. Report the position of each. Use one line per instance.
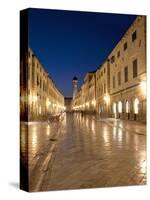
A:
(115, 109)
(136, 108)
(119, 108)
(127, 109)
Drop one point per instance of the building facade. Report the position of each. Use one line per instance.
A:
(42, 97)
(85, 99)
(103, 90)
(128, 73)
(120, 82)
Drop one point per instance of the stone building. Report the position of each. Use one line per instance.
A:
(90, 100)
(103, 90)
(85, 99)
(120, 82)
(75, 86)
(128, 73)
(42, 95)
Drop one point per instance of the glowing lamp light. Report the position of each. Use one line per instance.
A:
(87, 104)
(93, 102)
(127, 107)
(48, 103)
(114, 108)
(136, 106)
(106, 98)
(30, 99)
(120, 107)
(143, 87)
(34, 98)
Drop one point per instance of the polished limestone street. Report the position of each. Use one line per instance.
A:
(84, 151)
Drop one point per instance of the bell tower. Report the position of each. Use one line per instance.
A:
(75, 86)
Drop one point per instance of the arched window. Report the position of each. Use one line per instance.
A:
(127, 107)
(136, 106)
(114, 108)
(120, 107)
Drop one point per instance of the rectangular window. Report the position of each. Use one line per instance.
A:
(104, 88)
(118, 54)
(133, 36)
(104, 70)
(112, 59)
(119, 78)
(114, 85)
(126, 74)
(37, 79)
(135, 68)
(125, 46)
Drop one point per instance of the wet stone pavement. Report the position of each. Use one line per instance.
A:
(85, 152)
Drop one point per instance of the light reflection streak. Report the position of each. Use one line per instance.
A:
(93, 127)
(87, 122)
(136, 142)
(48, 130)
(34, 139)
(114, 133)
(106, 137)
(120, 136)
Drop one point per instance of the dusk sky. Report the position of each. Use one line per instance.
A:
(70, 43)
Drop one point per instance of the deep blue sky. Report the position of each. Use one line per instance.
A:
(71, 43)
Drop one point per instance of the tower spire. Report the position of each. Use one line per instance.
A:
(75, 86)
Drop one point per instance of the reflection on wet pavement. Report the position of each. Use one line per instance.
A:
(90, 153)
